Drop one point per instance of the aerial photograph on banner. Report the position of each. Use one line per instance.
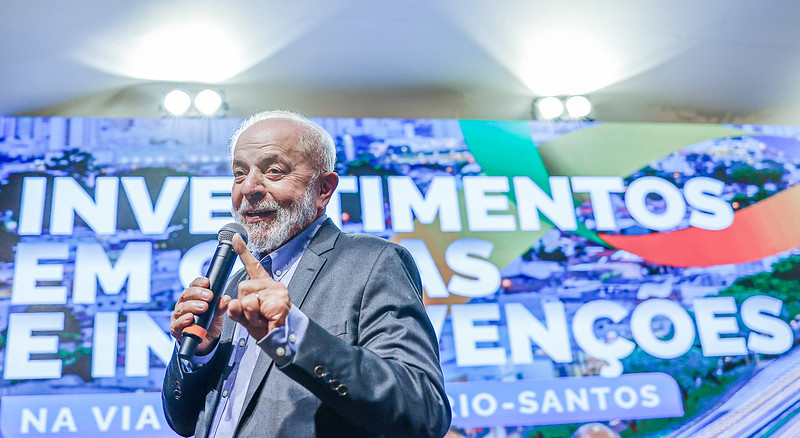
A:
(639, 275)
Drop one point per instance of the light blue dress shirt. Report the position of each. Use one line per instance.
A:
(280, 344)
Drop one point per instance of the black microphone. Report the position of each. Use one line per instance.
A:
(218, 271)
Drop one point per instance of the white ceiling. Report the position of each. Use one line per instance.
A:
(639, 60)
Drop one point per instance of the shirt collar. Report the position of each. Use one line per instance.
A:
(290, 251)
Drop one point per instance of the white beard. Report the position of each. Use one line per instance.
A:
(267, 236)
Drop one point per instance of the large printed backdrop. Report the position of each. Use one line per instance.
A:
(640, 275)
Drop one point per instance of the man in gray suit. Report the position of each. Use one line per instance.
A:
(325, 333)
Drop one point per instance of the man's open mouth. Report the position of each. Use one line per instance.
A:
(258, 216)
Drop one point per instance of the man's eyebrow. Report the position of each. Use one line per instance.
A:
(262, 159)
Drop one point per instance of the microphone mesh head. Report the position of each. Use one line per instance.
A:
(226, 233)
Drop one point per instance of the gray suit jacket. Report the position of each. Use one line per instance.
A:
(367, 366)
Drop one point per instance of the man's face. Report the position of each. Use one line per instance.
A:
(274, 195)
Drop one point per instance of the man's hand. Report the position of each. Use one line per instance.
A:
(263, 303)
(194, 301)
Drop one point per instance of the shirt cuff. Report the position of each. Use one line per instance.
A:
(282, 342)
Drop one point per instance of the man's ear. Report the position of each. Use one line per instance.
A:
(327, 183)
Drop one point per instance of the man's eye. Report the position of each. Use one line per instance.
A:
(274, 170)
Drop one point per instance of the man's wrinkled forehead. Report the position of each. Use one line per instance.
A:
(270, 132)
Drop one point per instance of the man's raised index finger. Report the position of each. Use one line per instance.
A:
(251, 264)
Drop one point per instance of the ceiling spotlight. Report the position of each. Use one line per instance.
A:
(177, 102)
(208, 102)
(549, 108)
(578, 107)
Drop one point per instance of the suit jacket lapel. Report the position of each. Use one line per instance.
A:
(307, 270)
(311, 262)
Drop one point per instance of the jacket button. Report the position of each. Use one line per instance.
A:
(177, 393)
(319, 370)
(341, 390)
(334, 383)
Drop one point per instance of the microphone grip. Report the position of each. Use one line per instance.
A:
(218, 271)
(189, 346)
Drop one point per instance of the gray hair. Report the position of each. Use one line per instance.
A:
(317, 144)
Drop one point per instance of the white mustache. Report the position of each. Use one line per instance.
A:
(267, 205)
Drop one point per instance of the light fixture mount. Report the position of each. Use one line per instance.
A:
(187, 100)
(562, 108)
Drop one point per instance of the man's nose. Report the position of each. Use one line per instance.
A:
(254, 187)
